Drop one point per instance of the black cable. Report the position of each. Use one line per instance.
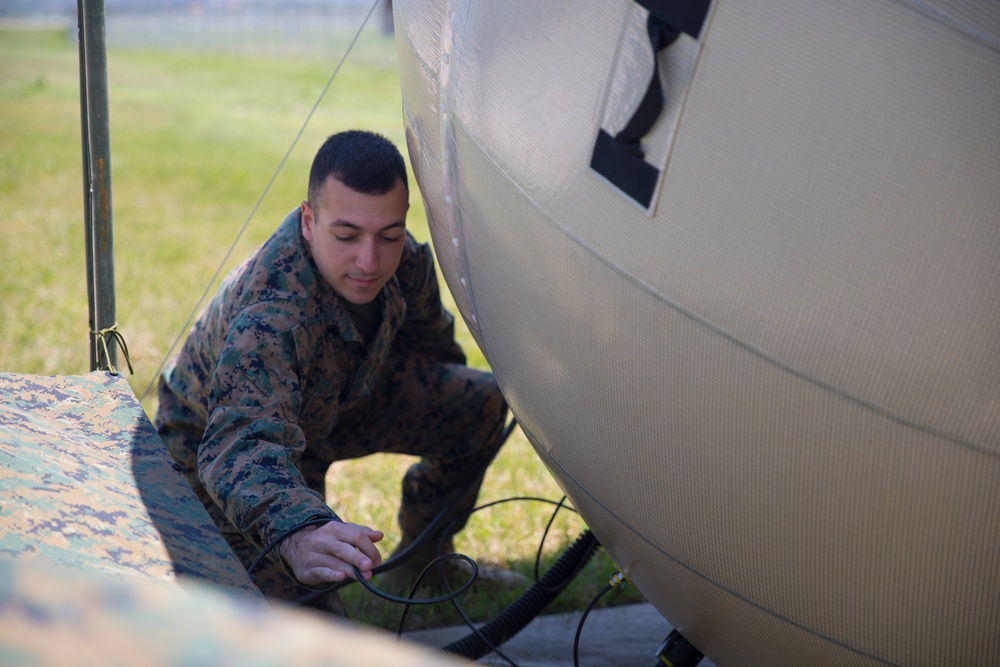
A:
(539, 595)
(541, 543)
(559, 505)
(398, 560)
(579, 628)
(481, 637)
(461, 612)
(525, 608)
(554, 590)
(357, 573)
(416, 584)
(511, 499)
(504, 626)
(468, 621)
(424, 535)
(508, 623)
(410, 600)
(508, 430)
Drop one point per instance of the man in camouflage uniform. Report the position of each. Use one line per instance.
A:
(330, 342)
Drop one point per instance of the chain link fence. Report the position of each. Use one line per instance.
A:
(265, 28)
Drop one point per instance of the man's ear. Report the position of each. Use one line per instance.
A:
(308, 219)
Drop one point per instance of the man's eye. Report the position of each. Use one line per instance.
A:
(344, 239)
(392, 239)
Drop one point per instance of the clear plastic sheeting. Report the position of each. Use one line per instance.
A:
(774, 394)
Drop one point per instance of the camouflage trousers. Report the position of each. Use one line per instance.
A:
(449, 415)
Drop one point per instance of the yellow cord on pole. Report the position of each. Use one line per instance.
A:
(102, 339)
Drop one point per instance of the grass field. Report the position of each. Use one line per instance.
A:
(195, 139)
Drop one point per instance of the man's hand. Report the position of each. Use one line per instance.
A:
(326, 554)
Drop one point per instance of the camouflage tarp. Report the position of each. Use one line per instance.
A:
(96, 527)
(85, 482)
(53, 617)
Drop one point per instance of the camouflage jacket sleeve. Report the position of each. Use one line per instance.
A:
(429, 328)
(248, 458)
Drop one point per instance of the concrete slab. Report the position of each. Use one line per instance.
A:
(628, 635)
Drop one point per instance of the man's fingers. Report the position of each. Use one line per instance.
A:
(321, 575)
(354, 556)
(331, 552)
(361, 538)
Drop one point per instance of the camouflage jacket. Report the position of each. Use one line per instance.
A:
(274, 360)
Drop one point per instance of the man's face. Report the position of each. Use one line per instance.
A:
(356, 239)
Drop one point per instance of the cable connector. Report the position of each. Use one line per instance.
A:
(618, 579)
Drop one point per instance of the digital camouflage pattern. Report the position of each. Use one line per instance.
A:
(97, 529)
(86, 483)
(57, 617)
(274, 383)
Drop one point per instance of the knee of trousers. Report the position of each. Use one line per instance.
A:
(493, 411)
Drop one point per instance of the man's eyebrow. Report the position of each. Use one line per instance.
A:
(351, 225)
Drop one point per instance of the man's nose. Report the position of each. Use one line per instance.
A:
(367, 259)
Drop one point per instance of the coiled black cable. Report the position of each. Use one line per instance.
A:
(527, 607)
(512, 620)
(357, 573)
(494, 647)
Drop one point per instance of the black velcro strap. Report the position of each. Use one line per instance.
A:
(687, 16)
(620, 159)
(660, 37)
(626, 170)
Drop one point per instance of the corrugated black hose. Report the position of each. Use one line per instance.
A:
(513, 619)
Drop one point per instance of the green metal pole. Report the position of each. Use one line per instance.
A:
(96, 131)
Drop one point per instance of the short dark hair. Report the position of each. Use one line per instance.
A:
(363, 161)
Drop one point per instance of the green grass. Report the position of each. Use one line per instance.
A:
(195, 139)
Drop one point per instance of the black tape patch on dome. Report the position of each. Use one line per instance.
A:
(620, 158)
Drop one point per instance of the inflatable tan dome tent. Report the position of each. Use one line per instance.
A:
(736, 266)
